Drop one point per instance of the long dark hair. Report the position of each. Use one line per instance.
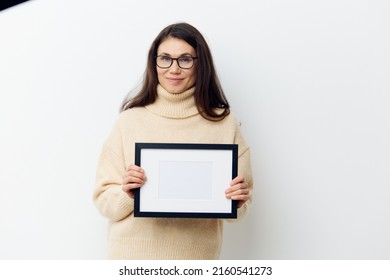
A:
(208, 91)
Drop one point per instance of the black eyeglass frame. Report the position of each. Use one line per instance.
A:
(177, 61)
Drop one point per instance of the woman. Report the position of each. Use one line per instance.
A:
(181, 101)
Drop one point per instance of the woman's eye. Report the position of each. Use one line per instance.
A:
(166, 58)
(185, 59)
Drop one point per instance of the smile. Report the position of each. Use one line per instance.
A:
(174, 80)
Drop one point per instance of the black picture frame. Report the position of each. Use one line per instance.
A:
(221, 156)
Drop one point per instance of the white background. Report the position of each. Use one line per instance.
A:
(308, 80)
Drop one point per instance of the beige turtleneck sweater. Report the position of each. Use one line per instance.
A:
(172, 118)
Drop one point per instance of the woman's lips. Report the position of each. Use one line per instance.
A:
(174, 80)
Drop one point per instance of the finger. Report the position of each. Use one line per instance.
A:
(135, 168)
(132, 179)
(130, 187)
(240, 197)
(135, 174)
(244, 191)
(237, 180)
(236, 187)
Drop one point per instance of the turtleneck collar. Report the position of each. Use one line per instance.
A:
(174, 105)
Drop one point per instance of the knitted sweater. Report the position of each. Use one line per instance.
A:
(172, 118)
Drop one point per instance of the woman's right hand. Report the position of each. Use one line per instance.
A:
(133, 178)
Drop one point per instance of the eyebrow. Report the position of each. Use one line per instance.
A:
(183, 54)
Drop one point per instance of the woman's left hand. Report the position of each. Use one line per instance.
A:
(238, 190)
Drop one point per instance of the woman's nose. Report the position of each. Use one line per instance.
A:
(175, 67)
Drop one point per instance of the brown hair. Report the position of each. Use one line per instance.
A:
(208, 91)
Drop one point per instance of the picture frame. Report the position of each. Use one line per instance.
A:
(186, 180)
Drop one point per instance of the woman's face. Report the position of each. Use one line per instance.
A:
(175, 79)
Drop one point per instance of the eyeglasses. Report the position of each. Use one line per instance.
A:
(184, 62)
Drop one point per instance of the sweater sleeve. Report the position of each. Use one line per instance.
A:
(111, 201)
(245, 170)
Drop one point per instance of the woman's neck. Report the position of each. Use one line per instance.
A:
(174, 105)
